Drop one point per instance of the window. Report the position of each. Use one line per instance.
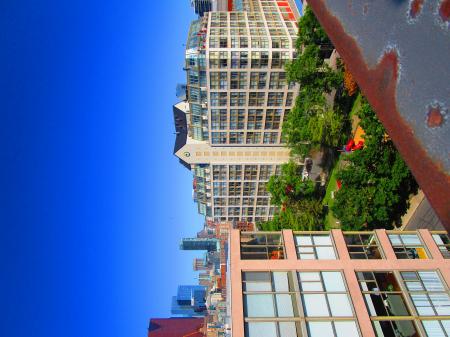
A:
(250, 172)
(443, 242)
(324, 295)
(362, 246)
(260, 59)
(236, 137)
(234, 189)
(262, 190)
(219, 137)
(238, 98)
(238, 80)
(383, 295)
(219, 172)
(407, 246)
(277, 80)
(273, 119)
(253, 138)
(235, 172)
(262, 246)
(218, 119)
(257, 98)
(265, 171)
(275, 99)
(270, 137)
(218, 98)
(255, 119)
(269, 295)
(315, 247)
(237, 119)
(428, 293)
(249, 189)
(258, 80)
(394, 328)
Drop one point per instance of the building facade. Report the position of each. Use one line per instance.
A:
(237, 99)
(344, 284)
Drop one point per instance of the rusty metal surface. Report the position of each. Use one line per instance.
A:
(399, 53)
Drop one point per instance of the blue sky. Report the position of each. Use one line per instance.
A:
(92, 201)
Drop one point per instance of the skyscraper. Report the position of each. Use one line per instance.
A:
(237, 99)
(208, 244)
(190, 301)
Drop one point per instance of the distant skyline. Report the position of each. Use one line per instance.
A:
(94, 204)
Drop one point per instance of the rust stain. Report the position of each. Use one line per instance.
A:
(434, 117)
(415, 7)
(444, 10)
(379, 86)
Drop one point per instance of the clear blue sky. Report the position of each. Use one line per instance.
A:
(92, 201)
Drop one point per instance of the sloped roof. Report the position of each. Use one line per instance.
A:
(181, 129)
(175, 327)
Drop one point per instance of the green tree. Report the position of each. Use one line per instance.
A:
(289, 186)
(376, 183)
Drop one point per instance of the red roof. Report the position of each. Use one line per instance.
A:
(175, 327)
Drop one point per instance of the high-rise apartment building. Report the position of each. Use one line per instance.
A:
(229, 129)
(340, 284)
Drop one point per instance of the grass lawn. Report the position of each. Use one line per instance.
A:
(330, 220)
(356, 105)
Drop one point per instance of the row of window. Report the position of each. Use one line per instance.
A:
(278, 304)
(244, 211)
(245, 138)
(224, 99)
(243, 80)
(244, 172)
(250, 119)
(258, 59)
(233, 189)
(321, 246)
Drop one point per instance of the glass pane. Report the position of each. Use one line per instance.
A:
(395, 239)
(309, 276)
(431, 281)
(441, 303)
(256, 276)
(396, 305)
(437, 239)
(446, 325)
(284, 305)
(433, 329)
(307, 257)
(414, 286)
(320, 329)
(395, 328)
(261, 329)
(333, 281)
(315, 305)
(322, 240)
(259, 305)
(340, 305)
(281, 281)
(303, 240)
(411, 239)
(288, 329)
(257, 286)
(312, 286)
(305, 249)
(346, 329)
(422, 304)
(325, 253)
